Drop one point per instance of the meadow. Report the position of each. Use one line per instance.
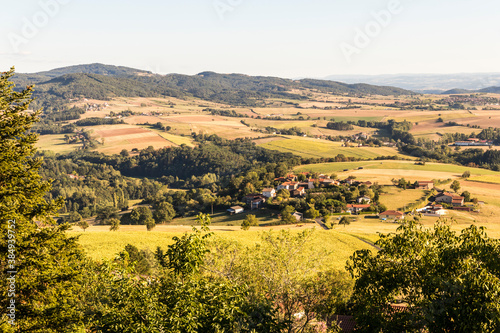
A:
(439, 170)
(334, 247)
(317, 148)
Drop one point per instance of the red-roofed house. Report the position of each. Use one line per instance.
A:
(450, 198)
(355, 209)
(392, 215)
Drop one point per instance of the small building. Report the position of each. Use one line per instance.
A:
(356, 209)
(269, 192)
(298, 216)
(424, 185)
(432, 210)
(235, 210)
(300, 192)
(364, 200)
(392, 215)
(257, 203)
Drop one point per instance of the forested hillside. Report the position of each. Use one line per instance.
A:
(103, 82)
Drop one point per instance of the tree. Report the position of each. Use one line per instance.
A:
(249, 221)
(105, 214)
(287, 215)
(466, 174)
(283, 268)
(48, 262)
(455, 186)
(74, 217)
(466, 195)
(114, 224)
(450, 282)
(312, 212)
(83, 224)
(345, 221)
(284, 193)
(164, 212)
(150, 223)
(141, 215)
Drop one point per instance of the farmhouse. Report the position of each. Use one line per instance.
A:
(355, 209)
(236, 210)
(392, 215)
(269, 192)
(450, 198)
(424, 185)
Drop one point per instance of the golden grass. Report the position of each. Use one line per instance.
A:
(398, 199)
(55, 143)
(308, 147)
(99, 244)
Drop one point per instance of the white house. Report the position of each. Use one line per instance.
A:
(269, 192)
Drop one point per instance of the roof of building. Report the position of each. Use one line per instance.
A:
(236, 207)
(358, 206)
(392, 212)
(425, 182)
(268, 190)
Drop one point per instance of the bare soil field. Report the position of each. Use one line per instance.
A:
(121, 132)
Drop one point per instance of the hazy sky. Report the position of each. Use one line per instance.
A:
(287, 38)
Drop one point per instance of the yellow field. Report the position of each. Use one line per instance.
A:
(55, 143)
(397, 199)
(490, 179)
(309, 147)
(100, 244)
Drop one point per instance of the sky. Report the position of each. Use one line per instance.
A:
(285, 38)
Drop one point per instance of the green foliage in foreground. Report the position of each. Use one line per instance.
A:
(448, 282)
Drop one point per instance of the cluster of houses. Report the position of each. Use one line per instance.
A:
(363, 203)
(473, 142)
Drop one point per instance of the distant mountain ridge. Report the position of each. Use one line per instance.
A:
(427, 83)
(98, 81)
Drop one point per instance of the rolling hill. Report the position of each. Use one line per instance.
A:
(97, 81)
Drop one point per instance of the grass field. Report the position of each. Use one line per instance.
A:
(335, 247)
(438, 168)
(396, 198)
(490, 179)
(55, 143)
(224, 219)
(308, 147)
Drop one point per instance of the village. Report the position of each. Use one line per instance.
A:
(303, 186)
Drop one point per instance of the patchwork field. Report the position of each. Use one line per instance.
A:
(191, 115)
(115, 138)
